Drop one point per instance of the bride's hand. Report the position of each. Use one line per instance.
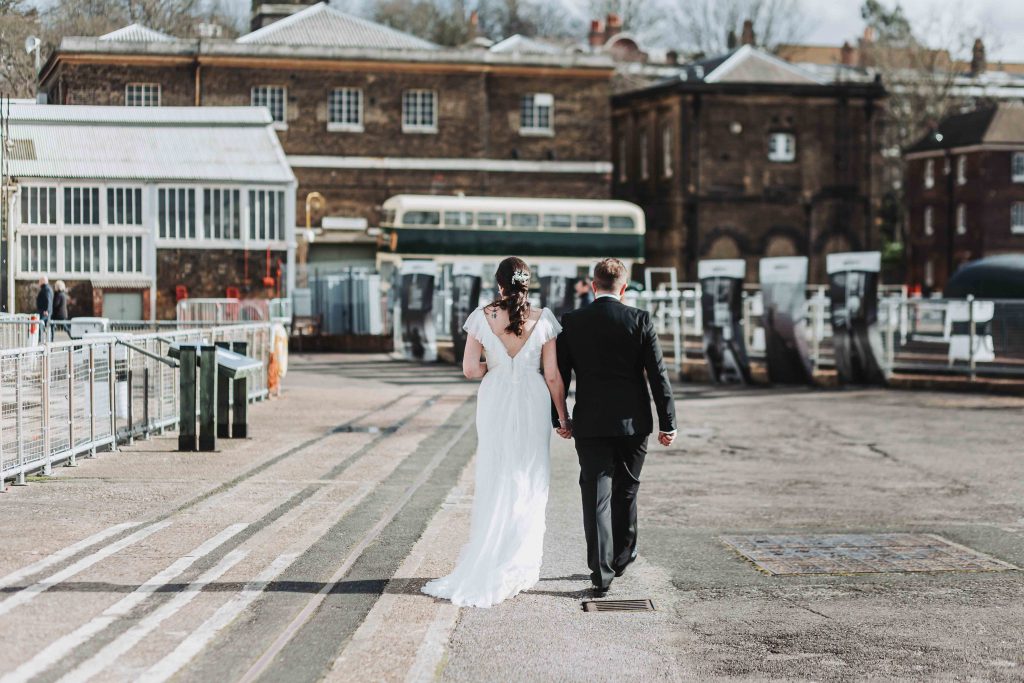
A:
(565, 429)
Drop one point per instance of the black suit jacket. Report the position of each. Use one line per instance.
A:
(610, 346)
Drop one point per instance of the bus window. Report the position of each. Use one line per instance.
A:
(458, 218)
(525, 220)
(557, 220)
(490, 219)
(620, 223)
(590, 222)
(421, 218)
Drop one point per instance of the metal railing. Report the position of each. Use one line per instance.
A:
(61, 400)
(234, 310)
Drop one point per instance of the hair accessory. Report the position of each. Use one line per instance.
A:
(521, 277)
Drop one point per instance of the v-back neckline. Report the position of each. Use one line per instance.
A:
(525, 341)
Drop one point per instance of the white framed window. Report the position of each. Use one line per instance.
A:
(81, 253)
(536, 114)
(38, 205)
(419, 111)
(81, 206)
(1017, 218)
(642, 144)
(124, 206)
(1017, 167)
(929, 273)
(781, 147)
(124, 254)
(666, 151)
(345, 110)
(222, 214)
(623, 165)
(266, 215)
(176, 213)
(929, 226)
(39, 253)
(142, 95)
(274, 98)
(961, 219)
(961, 169)
(929, 174)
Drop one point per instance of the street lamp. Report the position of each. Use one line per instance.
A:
(33, 44)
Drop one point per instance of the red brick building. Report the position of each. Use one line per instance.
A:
(365, 112)
(965, 192)
(746, 155)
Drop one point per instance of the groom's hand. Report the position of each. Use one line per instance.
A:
(666, 438)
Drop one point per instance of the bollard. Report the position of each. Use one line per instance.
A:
(223, 399)
(92, 401)
(208, 398)
(145, 401)
(240, 407)
(72, 461)
(187, 400)
(972, 332)
(44, 372)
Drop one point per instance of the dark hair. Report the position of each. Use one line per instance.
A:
(515, 290)
(610, 274)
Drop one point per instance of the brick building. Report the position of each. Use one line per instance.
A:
(365, 112)
(965, 192)
(745, 155)
(136, 208)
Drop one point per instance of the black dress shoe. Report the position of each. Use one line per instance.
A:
(622, 570)
(600, 591)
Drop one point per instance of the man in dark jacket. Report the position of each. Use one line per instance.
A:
(44, 306)
(614, 351)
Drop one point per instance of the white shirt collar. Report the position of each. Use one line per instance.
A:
(607, 295)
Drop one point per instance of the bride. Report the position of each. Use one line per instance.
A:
(513, 422)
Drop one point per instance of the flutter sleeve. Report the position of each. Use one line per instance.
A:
(474, 325)
(551, 327)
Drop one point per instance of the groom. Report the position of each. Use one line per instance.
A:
(611, 346)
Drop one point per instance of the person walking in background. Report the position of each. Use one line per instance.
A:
(60, 307)
(44, 306)
(584, 293)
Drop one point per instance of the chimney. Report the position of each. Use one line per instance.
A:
(846, 54)
(266, 13)
(747, 36)
(596, 36)
(978, 61)
(612, 26)
(731, 39)
(473, 30)
(672, 57)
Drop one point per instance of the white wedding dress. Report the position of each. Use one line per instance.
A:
(513, 423)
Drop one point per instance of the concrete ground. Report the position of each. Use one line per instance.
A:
(297, 555)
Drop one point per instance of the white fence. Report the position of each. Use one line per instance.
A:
(66, 399)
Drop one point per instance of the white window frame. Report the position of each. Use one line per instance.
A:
(30, 255)
(961, 219)
(38, 197)
(536, 104)
(1017, 218)
(961, 169)
(666, 151)
(642, 143)
(127, 248)
(929, 272)
(144, 98)
(929, 221)
(1017, 167)
(344, 126)
(171, 232)
(86, 244)
(784, 154)
(87, 199)
(623, 159)
(262, 96)
(929, 174)
(133, 210)
(215, 210)
(419, 126)
(273, 218)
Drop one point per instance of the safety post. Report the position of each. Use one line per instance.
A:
(20, 481)
(187, 398)
(44, 392)
(223, 399)
(72, 461)
(208, 398)
(971, 332)
(240, 407)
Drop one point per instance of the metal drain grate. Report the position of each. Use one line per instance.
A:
(349, 429)
(618, 606)
(861, 554)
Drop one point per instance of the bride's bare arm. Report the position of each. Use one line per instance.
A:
(472, 368)
(553, 378)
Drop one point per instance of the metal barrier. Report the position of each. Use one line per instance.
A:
(234, 310)
(65, 399)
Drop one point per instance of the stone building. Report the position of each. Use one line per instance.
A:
(137, 208)
(746, 155)
(365, 112)
(965, 192)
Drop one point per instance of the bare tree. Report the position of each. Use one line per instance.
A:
(533, 18)
(443, 24)
(18, 21)
(712, 27)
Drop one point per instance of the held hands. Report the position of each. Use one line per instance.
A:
(666, 438)
(564, 429)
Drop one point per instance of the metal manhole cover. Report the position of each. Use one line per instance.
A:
(861, 554)
(618, 606)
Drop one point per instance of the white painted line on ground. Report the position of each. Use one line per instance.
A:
(27, 594)
(314, 603)
(228, 612)
(63, 554)
(66, 644)
(130, 638)
(430, 653)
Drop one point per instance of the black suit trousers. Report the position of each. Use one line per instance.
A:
(609, 481)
